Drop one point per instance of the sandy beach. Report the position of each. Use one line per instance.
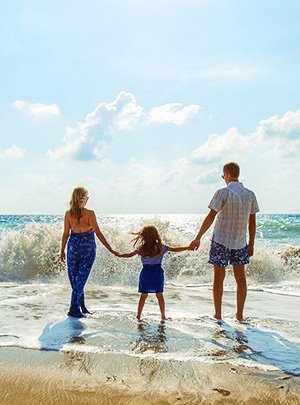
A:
(45, 377)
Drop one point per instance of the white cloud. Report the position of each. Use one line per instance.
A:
(88, 139)
(282, 134)
(287, 126)
(130, 115)
(208, 176)
(37, 110)
(218, 147)
(236, 72)
(12, 152)
(173, 113)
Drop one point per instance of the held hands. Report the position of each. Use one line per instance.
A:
(114, 252)
(194, 245)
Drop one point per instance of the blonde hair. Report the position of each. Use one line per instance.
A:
(148, 241)
(76, 201)
(232, 169)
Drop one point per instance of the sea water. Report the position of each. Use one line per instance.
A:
(35, 294)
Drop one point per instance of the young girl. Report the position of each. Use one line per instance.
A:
(151, 249)
(80, 227)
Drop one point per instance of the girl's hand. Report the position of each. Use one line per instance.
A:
(63, 257)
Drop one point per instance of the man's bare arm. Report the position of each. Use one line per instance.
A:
(209, 219)
(252, 231)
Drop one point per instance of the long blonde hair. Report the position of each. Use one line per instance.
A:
(76, 201)
(148, 241)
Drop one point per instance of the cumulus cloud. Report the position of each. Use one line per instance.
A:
(230, 144)
(12, 152)
(208, 176)
(287, 127)
(173, 113)
(282, 134)
(37, 110)
(87, 141)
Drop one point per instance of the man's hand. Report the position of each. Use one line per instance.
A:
(194, 245)
(250, 250)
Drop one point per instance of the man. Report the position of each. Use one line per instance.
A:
(235, 208)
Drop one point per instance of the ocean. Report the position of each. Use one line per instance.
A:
(35, 293)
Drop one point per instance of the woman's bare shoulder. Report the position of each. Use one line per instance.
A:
(88, 213)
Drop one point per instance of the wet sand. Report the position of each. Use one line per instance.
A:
(73, 377)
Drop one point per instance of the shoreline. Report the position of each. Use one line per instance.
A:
(30, 376)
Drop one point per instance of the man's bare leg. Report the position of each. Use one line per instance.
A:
(241, 292)
(142, 300)
(219, 275)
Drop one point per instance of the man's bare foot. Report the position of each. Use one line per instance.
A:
(217, 317)
(243, 320)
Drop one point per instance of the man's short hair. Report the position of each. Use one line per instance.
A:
(232, 169)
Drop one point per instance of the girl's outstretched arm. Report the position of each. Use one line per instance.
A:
(131, 254)
(179, 248)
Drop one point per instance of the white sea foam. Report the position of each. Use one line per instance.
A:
(32, 253)
(35, 293)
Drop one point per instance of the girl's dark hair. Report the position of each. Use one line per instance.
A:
(148, 241)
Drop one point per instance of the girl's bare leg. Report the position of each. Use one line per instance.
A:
(161, 303)
(142, 300)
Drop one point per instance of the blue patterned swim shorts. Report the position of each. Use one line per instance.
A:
(221, 255)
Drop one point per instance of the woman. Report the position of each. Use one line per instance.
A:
(81, 249)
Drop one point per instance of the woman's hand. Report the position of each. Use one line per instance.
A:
(63, 257)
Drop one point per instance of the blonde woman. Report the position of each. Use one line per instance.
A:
(80, 227)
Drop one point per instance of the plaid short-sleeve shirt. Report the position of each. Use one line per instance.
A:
(234, 204)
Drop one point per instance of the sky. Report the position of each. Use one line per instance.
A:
(142, 102)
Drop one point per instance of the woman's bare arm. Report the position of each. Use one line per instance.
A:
(65, 237)
(100, 236)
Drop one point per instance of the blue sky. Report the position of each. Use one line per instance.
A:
(142, 102)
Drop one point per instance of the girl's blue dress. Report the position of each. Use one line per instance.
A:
(152, 274)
